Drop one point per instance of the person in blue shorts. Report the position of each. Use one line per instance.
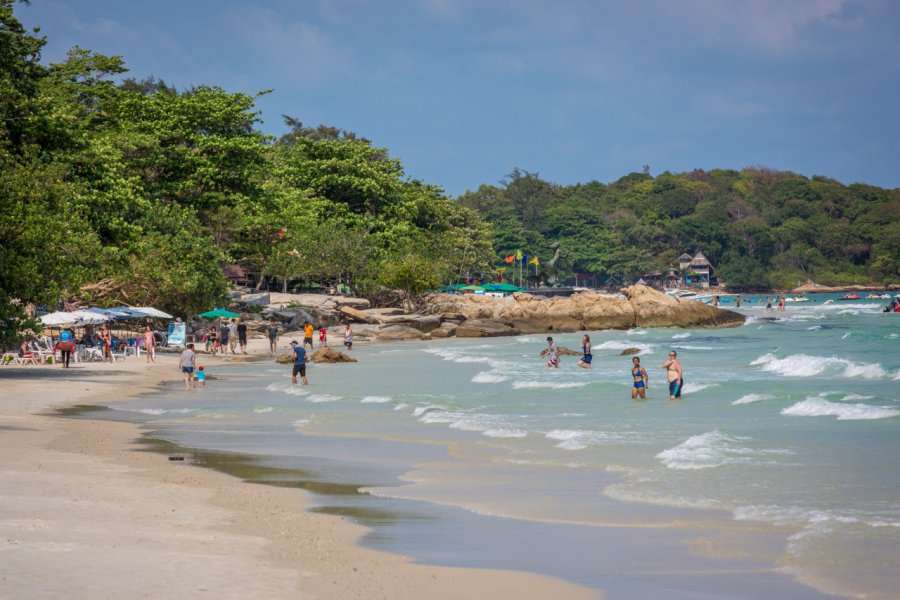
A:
(674, 374)
(585, 362)
(641, 381)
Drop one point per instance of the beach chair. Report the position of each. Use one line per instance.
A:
(118, 350)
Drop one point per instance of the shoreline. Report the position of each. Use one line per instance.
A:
(106, 520)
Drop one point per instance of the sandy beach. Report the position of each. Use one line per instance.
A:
(84, 515)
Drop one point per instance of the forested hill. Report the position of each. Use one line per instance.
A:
(760, 228)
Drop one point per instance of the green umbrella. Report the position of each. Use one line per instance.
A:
(219, 312)
(502, 287)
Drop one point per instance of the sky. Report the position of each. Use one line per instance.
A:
(463, 91)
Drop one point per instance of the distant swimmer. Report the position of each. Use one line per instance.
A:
(641, 381)
(738, 300)
(552, 354)
(768, 304)
(585, 362)
(674, 374)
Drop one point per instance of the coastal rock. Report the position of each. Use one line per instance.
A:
(329, 355)
(472, 328)
(583, 311)
(401, 332)
(285, 359)
(445, 330)
(424, 323)
(655, 309)
(358, 303)
(255, 299)
(385, 312)
(562, 351)
(357, 314)
(629, 351)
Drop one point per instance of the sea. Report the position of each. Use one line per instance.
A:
(775, 475)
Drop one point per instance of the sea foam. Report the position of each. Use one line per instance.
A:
(530, 385)
(804, 365)
(375, 400)
(487, 377)
(817, 406)
(711, 449)
(750, 398)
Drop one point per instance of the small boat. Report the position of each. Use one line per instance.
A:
(879, 297)
(849, 297)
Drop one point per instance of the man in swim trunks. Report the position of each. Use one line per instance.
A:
(552, 354)
(641, 381)
(272, 332)
(186, 365)
(674, 374)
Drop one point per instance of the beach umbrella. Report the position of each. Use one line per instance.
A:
(127, 312)
(219, 313)
(88, 317)
(152, 312)
(58, 318)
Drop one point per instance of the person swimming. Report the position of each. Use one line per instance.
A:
(641, 381)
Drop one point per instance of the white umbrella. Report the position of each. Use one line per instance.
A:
(56, 319)
(86, 317)
(152, 312)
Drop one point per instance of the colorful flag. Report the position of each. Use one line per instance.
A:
(524, 259)
(534, 261)
(518, 255)
(510, 258)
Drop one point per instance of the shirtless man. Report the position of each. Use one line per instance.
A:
(674, 375)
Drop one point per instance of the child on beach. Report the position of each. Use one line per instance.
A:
(323, 337)
(201, 377)
(348, 337)
(552, 354)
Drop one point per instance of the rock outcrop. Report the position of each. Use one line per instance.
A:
(330, 355)
(584, 311)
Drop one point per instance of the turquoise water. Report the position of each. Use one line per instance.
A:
(787, 431)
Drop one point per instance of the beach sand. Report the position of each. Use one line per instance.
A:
(84, 515)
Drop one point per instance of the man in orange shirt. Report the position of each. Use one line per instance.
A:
(308, 335)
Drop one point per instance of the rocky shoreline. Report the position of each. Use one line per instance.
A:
(472, 316)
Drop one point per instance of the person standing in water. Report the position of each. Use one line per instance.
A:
(738, 300)
(768, 304)
(674, 374)
(299, 363)
(186, 364)
(585, 362)
(641, 381)
(552, 354)
(348, 337)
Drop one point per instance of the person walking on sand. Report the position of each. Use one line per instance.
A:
(323, 337)
(585, 362)
(66, 345)
(641, 381)
(242, 336)
(299, 363)
(232, 335)
(186, 363)
(552, 354)
(308, 335)
(348, 337)
(149, 344)
(212, 340)
(106, 343)
(674, 374)
(223, 337)
(272, 333)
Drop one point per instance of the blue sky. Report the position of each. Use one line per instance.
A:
(462, 91)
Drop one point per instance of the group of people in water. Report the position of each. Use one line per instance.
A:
(640, 379)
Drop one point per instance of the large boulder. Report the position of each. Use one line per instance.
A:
(385, 312)
(655, 309)
(329, 355)
(358, 303)
(400, 332)
(473, 328)
(423, 323)
(562, 351)
(445, 330)
(255, 299)
(356, 314)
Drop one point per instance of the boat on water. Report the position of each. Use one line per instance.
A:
(850, 297)
(879, 296)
